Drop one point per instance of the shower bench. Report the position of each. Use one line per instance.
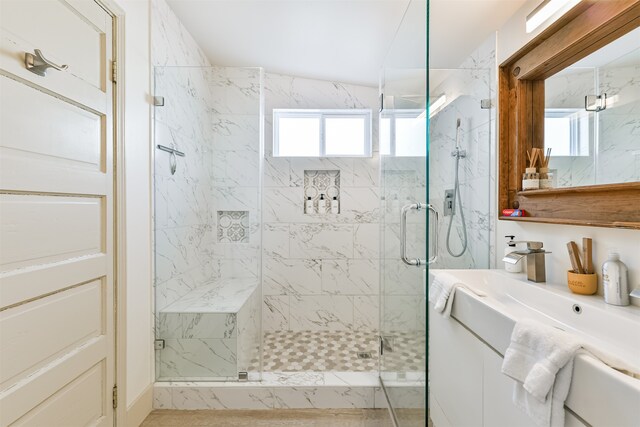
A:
(211, 333)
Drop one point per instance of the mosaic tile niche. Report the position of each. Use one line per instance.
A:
(233, 227)
(318, 182)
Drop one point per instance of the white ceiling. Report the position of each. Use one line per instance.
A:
(457, 27)
(343, 40)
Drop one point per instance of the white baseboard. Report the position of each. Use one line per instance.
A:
(140, 408)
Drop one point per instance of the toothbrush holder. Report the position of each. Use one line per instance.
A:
(583, 284)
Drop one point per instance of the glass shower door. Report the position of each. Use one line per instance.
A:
(403, 179)
(403, 259)
(208, 145)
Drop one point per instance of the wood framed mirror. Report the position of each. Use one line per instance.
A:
(584, 30)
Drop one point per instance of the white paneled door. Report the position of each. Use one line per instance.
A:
(57, 359)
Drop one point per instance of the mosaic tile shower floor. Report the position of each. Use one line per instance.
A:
(287, 351)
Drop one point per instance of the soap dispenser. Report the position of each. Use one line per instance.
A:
(322, 205)
(511, 247)
(615, 281)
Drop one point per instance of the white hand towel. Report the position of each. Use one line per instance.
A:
(442, 291)
(540, 359)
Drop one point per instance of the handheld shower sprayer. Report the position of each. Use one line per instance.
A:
(458, 154)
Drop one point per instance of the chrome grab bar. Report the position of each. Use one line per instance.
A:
(403, 234)
(434, 257)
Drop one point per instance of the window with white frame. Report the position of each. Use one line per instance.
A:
(567, 131)
(403, 133)
(321, 133)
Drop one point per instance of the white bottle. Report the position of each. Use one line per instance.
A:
(309, 205)
(511, 247)
(322, 205)
(335, 205)
(615, 280)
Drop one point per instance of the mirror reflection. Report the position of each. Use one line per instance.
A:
(592, 117)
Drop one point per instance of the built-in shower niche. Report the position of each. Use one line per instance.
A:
(318, 183)
(233, 227)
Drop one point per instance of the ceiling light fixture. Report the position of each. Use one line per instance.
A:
(546, 10)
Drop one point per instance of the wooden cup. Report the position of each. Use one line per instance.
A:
(583, 284)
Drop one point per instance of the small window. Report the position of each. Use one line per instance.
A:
(566, 131)
(321, 133)
(403, 133)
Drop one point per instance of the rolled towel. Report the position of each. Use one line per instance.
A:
(442, 292)
(540, 360)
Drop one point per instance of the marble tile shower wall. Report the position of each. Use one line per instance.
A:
(320, 271)
(213, 115)
(466, 87)
(236, 98)
(613, 152)
(183, 214)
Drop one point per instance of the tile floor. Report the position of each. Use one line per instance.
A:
(287, 351)
(319, 351)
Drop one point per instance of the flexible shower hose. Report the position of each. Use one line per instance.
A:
(456, 194)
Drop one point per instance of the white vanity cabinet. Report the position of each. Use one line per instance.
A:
(467, 387)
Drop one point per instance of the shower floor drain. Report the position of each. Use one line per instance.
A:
(364, 355)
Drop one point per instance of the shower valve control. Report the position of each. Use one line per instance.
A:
(449, 202)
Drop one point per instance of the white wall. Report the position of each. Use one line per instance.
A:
(138, 198)
(511, 37)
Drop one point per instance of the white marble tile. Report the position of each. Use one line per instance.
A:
(359, 205)
(275, 240)
(366, 241)
(235, 198)
(291, 276)
(162, 397)
(366, 171)
(208, 325)
(169, 325)
(279, 379)
(239, 268)
(277, 171)
(350, 277)
(198, 358)
(232, 132)
(172, 44)
(275, 313)
(321, 312)
(366, 312)
(235, 95)
(283, 204)
(323, 397)
(221, 296)
(321, 241)
(222, 398)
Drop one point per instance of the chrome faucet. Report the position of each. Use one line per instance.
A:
(535, 260)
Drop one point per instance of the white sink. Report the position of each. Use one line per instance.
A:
(611, 332)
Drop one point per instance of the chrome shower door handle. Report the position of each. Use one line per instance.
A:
(436, 215)
(38, 64)
(403, 234)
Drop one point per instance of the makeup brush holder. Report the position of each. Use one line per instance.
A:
(583, 284)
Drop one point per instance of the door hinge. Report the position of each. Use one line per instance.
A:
(114, 71)
(114, 396)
